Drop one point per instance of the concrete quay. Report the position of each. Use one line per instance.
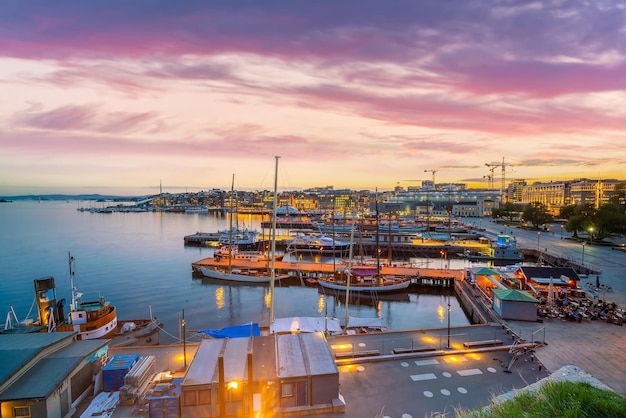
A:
(597, 347)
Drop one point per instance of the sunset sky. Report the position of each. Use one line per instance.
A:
(116, 96)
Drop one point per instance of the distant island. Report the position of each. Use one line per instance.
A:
(94, 197)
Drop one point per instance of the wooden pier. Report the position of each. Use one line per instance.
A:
(419, 276)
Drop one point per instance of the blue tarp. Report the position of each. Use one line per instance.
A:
(237, 331)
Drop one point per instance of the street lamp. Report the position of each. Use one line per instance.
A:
(561, 231)
(583, 260)
(590, 234)
(538, 235)
(449, 310)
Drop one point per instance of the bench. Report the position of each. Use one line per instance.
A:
(420, 349)
(353, 354)
(483, 343)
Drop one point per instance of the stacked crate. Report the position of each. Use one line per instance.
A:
(116, 370)
(137, 380)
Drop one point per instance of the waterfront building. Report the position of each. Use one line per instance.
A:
(261, 376)
(46, 375)
(594, 192)
(551, 194)
(515, 189)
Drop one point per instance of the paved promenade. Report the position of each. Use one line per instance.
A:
(596, 347)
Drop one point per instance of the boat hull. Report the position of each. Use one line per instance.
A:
(246, 276)
(388, 285)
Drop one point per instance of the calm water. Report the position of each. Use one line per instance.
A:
(138, 261)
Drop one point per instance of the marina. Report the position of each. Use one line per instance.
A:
(430, 289)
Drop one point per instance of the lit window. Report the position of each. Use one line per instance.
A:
(21, 412)
(287, 390)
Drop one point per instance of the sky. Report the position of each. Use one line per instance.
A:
(120, 97)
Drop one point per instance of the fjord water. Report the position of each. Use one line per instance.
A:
(138, 261)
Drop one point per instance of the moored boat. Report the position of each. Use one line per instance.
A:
(247, 275)
(364, 279)
(95, 319)
(318, 244)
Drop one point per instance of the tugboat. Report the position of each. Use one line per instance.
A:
(90, 320)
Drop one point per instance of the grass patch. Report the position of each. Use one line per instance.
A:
(558, 399)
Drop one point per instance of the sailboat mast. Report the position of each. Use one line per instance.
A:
(230, 229)
(70, 261)
(377, 236)
(273, 247)
(349, 274)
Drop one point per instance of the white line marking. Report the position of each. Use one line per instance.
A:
(428, 362)
(469, 372)
(425, 376)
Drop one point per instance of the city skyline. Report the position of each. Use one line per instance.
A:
(119, 97)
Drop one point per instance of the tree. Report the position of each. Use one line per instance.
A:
(581, 219)
(537, 214)
(509, 211)
(608, 220)
(567, 211)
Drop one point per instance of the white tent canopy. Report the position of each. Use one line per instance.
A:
(305, 324)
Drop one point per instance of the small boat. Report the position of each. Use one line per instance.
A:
(504, 249)
(233, 251)
(242, 238)
(95, 319)
(318, 244)
(245, 274)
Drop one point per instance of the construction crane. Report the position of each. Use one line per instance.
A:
(489, 178)
(493, 166)
(431, 171)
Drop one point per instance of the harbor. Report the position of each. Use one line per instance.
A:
(414, 337)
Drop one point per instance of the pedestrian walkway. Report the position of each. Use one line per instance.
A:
(597, 347)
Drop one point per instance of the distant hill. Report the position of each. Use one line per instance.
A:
(94, 197)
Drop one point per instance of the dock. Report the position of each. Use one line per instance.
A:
(419, 276)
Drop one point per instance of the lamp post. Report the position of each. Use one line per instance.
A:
(449, 310)
(590, 234)
(583, 260)
(561, 231)
(538, 248)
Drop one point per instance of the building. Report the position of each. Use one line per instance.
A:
(514, 304)
(46, 375)
(265, 375)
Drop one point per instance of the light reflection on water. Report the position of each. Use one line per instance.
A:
(138, 262)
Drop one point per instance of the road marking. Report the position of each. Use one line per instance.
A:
(491, 370)
(428, 362)
(445, 392)
(447, 374)
(425, 376)
(469, 372)
(461, 390)
(404, 364)
(428, 394)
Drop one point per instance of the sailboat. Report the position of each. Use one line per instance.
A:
(363, 278)
(249, 271)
